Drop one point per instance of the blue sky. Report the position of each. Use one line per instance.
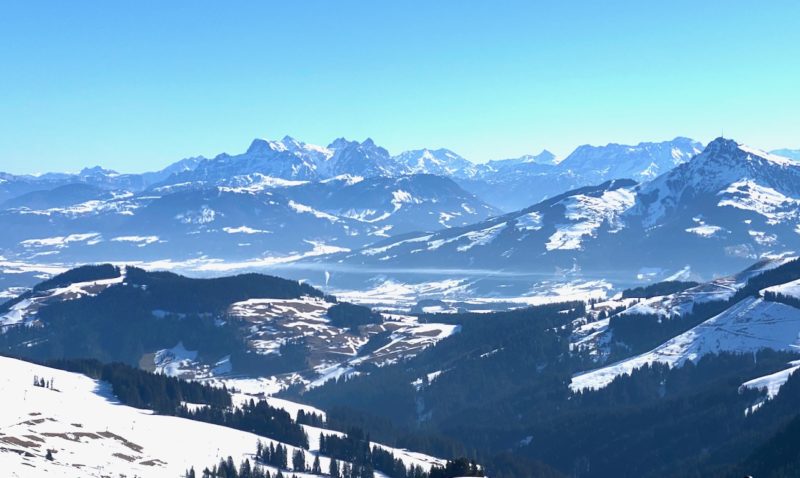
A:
(136, 85)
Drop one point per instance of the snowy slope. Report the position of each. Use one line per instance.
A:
(773, 382)
(527, 238)
(750, 325)
(743, 178)
(721, 288)
(91, 435)
(790, 289)
(256, 220)
(594, 335)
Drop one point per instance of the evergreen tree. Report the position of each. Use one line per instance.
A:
(245, 471)
(282, 459)
(316, 469)
(230, 468)
(333, 469)
(299, 460)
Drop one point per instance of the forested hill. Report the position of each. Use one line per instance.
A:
(114, 313)
(247, 324)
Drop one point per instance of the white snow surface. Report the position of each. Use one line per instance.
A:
(773, 382)
(588, 213)
(256, 183)
(141, 240)
(60, 241)
(791, 289)
(722, 288)
(207, 264)
(302, 208)
(244, 230)
(474, 238)
(768, 202)
(704, 230)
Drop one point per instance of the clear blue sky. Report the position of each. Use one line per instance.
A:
(136, 85)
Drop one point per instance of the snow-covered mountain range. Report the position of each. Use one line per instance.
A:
(726, 207)
(280, 201)
(676, 212)
(256, 217)
(517, 183)
(292, 160)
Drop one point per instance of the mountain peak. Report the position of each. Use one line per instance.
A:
(340, 143)
(723, 168)
(545, 157)
(266, 146)
(734, 151)
(260, 145)
(721, 144)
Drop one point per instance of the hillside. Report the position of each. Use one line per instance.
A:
(249, 324)
(87, 432)
(90, 434)
(580, 386)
